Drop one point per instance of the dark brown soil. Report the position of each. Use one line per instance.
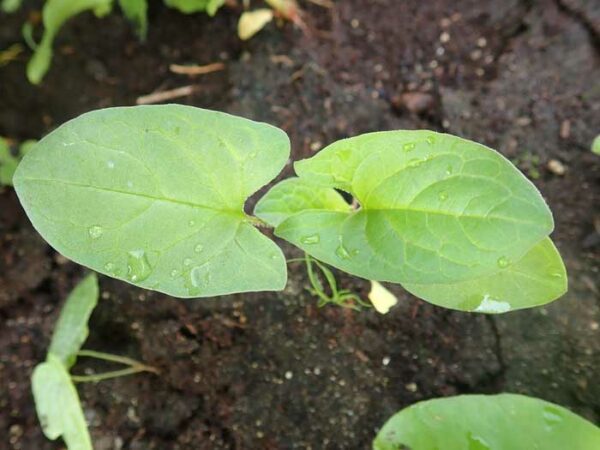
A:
(273, 371)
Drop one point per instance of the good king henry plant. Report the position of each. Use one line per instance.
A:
(154, 195)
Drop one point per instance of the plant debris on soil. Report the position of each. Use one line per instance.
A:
(272, 370)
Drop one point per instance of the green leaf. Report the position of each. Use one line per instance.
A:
(71, 330)
(8, 164)
(434, 208)
(55, 14)
(534, 280)
(10, 6)
(596, 145)
(193, 6)
(154, 195)
(57, 405)
(482, 422)
(136, 11)
(292, 196)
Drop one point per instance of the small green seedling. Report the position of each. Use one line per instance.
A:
(56, 400)
(9, 162)
(155, 195)
(487, 422)
(329, 295)
(57, 12)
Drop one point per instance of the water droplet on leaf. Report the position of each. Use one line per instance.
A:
(477, 442)
(430, 140)
(552, 417)
(503, 262)
(109, 267)
(200, 276)
(312, 239)
(342, 252)
(449, 170)
(95, 232)
(408, 146)
(174, 273)
(191, 223)
(110, 164)
(138, 266)
(198, 248)
(443, 196)
(187, 262)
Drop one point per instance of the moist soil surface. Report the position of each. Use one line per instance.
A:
(272, 370)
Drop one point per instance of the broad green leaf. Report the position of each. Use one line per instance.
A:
(71, 330)
(293, 195)
(537, 278)
(434, 208)
(8, 164)
(136, 11)
(487, 422)
(10, 6)
(154, 195)
(193, 6)
(57, 405)
(55, 14)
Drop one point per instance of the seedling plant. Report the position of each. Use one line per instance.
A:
(155, 196)
(56, 399)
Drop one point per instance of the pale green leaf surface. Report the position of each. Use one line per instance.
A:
(71, 330)
(54, 15)
(435, 208)
(482, 422)
(10, 6)
(537, 278)
(136, 11)
(57, 405)
(154, 195)
(292, 196)
(192, 6)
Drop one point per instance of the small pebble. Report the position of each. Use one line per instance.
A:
(556, 167)
(411, 387)
(385, 361)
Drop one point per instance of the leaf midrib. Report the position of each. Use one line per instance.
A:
(239, 212)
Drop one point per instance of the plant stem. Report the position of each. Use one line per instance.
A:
(134, 367)
(107, 375)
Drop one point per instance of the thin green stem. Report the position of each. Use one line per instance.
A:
(109, 357)
(108, 375)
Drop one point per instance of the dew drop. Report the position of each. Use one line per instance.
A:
(110, 164)
(312, 239)
(174, 273)
(503, 262)
(129, 184)
(200, 276)
(552, 417)
(198, 248)
(138, 266)
(274, 256)
(408, 146)
(557, 275)
(443, 196)
(477, 442)
(449, 170)
(109, 267)
(430, 140)
(187, 262)
(191, 223)
(95, 232)
(342, 252)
